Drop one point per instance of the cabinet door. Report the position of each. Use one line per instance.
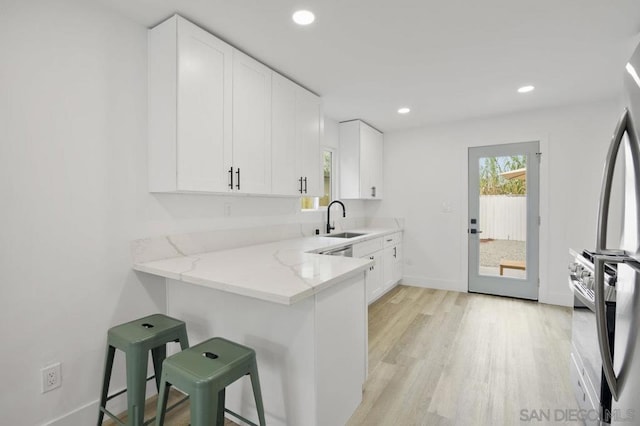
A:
(204, 100)
(375, 277)
(284, 172)
(308, 128)
(370, 162)
(251, 125)
(397, 263)
(350, 159)
(392, 269)
(376, 177)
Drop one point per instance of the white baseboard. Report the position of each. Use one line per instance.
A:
(560, 299)
(83, 416)
(425, 282)
(88, 413)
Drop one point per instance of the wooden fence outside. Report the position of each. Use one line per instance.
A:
(503, 217)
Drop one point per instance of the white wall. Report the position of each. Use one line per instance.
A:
(426, 183)
(73, 185)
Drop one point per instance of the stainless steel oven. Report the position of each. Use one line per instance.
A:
(589, 384)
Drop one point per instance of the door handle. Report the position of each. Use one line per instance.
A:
(474, 231)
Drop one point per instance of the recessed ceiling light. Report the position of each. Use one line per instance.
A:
(303, 17)
(526, 89)
(404, 110)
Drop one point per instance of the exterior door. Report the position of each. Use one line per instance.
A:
(503, 222)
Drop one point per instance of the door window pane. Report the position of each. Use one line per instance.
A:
(503, 216)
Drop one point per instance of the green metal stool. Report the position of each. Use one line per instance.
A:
(203, 372)
(136, 339)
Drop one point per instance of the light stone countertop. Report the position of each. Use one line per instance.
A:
(283, 272)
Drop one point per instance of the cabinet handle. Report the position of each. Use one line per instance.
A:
(238, 173)
(305, 184)
(395, 252)
(300, 180)
(373, 191)
(389, 240)
(231, 177)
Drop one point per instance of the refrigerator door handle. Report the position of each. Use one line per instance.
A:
(624, 125)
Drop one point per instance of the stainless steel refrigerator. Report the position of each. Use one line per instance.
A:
(621, 355)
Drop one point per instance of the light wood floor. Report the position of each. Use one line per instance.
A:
(446, 358)
(176, 417)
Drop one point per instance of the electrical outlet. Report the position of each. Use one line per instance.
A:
(51, 377)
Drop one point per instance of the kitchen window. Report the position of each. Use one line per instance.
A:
(328, 178)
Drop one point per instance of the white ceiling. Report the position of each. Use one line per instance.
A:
(446, 59)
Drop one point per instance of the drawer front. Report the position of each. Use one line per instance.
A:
(367, 247)
(392, 239)
(586, 401)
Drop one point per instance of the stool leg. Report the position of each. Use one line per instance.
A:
(108, 367)
(158, 355)
(137, 362)
(184, 340)
(163, 396)
(257, 394)
(204, 408)
(220, 415)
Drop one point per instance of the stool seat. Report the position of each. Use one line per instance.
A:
(150, 331)
(204, 371)
(136, 339)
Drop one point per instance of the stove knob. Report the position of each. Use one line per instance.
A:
(585, 274)
(589, 282)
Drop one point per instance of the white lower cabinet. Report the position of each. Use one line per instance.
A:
(386, 252)
(392, 266)
(375, 277)
(392, 260)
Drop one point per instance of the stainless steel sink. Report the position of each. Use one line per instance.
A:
(345, 235)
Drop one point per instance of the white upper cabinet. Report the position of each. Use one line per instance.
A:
(308, 132)
(190, 75)
(251, 125)
(220, 121)
(361, 156)
(284, 172)
(296, 129)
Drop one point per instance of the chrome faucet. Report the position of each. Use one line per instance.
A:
(344, 214)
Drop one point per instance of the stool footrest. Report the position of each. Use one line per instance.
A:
(176, 404)
(110, 397)
(113, 416)
(238, 416)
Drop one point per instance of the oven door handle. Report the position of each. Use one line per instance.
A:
(581, 297)
(601, 321)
